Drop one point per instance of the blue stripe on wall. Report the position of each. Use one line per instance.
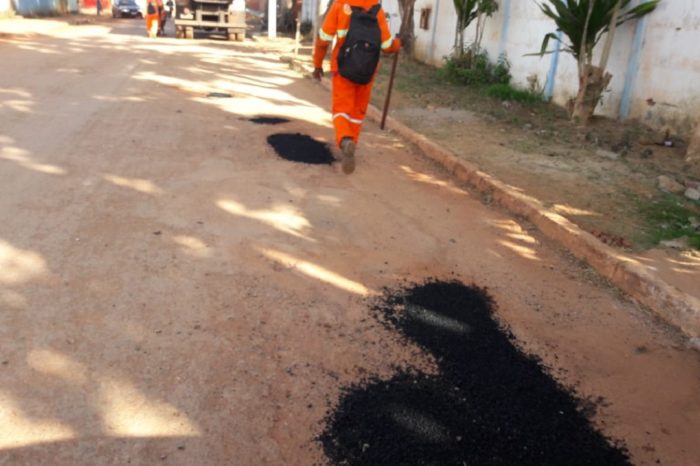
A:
(633, 67)
(552, 74)
(504, 28)
(553, 65)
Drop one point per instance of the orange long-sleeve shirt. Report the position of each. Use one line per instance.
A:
(337, 23)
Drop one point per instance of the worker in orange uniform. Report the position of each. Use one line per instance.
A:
(153, 9)
(362, 33)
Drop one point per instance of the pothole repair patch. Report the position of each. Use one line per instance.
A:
(297, 147)
(489, 403)
(268, 120)
(219, 95)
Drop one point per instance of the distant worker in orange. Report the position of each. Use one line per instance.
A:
(153, 9)
(362, 34)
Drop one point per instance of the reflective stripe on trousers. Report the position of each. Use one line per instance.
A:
(348, 117)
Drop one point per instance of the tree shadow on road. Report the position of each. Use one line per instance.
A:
(176, 283)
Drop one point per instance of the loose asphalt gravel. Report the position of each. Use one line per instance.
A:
(489, 404)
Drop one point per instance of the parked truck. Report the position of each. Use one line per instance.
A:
(227, 16)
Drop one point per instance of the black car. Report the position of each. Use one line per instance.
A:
(126, 8)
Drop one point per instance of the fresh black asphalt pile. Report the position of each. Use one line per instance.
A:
(267, 120)
(219, 95)
(490, 403)
(297, 147)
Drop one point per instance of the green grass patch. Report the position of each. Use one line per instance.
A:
(475, 69)
(671, 217)
(420, 84)
(508, 92)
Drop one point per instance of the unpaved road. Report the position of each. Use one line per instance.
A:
(171, 292)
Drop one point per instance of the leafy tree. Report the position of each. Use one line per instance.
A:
(585, 23)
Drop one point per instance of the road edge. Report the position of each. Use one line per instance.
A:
(672, 305)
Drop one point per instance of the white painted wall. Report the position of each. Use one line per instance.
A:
(670, 67)
(434, 44)
(526, 29)
(670, 59)
(391, 9)
(311, 10)
(307, 10)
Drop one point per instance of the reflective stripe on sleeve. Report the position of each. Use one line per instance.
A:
(325, 37)
(348, 117)
(342, 33)
(387, 43)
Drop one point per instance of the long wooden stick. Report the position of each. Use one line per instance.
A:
(394, 65)
(388, 91)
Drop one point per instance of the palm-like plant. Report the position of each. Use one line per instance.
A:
(585, 23)
(468, 11)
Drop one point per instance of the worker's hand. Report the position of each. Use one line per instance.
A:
(317, 74)
(395, 46)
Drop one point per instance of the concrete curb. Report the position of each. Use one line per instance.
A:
(672, 305)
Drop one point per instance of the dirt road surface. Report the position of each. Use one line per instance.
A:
(171, 292)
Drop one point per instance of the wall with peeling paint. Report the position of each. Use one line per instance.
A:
(669, 72)
(663, 85)
(45, 7)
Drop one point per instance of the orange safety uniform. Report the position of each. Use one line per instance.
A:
(350, 100)
(153, 20)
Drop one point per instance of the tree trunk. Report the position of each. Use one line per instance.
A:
(407, 29)
(611, 36)
(592, 83)
(480, 26)
(457, 32)
(585, 54)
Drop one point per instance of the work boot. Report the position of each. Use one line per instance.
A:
(347, 145)
(336, 151)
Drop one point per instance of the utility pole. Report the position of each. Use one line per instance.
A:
(314, 18)
(271, 19)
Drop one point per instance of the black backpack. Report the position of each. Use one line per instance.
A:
(359, 56)
(151, 9)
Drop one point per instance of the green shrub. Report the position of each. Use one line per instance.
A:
(501, 71)
(508, 92)
(475, 69)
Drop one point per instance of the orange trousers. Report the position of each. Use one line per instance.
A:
(350, 102)
(152, 24)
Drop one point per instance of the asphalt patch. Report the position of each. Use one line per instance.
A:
(219, 95)
(489, 404)
(297, 147)
(265, 120)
